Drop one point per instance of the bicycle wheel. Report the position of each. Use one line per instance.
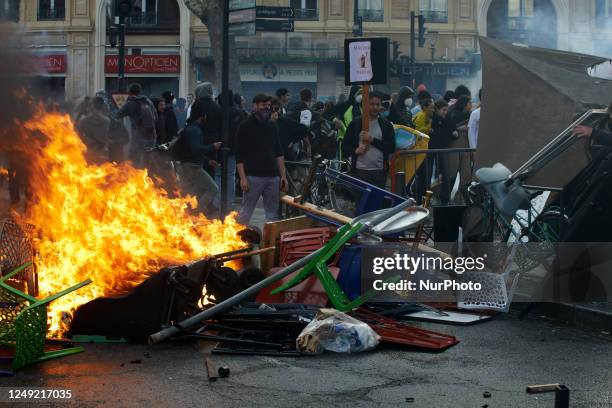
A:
(547, 227)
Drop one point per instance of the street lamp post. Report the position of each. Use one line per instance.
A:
(433, 38)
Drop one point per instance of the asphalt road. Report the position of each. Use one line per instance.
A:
(502, 357)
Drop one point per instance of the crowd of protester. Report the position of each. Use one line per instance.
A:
(263, 134)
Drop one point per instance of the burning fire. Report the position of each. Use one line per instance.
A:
(109, 222)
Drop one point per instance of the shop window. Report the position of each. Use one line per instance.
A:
(603, 12)
(371, 10)
(305, 9)
(51, 10)
(9, 10)
(434, 11)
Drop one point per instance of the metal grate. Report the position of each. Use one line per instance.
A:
(15, 250)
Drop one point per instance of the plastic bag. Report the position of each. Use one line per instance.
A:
(336, 331)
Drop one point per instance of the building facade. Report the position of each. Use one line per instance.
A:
(168, 47)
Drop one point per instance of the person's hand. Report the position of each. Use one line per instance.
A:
(274, 116)
(582, 131)
(456, 134)
(212, 163)
(366, 138)
(284, 185)
(244, 184)
(361, 150)
(217, 145)
(338, 123)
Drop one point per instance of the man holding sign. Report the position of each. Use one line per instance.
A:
(370, 148)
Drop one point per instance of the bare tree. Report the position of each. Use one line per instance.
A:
(210, 12)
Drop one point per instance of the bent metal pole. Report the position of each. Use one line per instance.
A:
(239, 297)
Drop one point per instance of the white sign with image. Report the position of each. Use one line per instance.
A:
(360, 54)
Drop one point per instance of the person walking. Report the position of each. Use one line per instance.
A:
(141, 112)
(260, 161)
(191, 158)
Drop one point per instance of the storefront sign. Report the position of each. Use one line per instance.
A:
(144, 64)
(50, 64)
(271, 72)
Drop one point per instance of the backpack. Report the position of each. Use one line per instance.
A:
(148, 117)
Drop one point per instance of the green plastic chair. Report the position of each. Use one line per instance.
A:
(23, 323)
(319, 267)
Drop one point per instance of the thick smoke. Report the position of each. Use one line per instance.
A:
(15, 70)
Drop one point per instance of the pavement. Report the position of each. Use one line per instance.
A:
(502, 357)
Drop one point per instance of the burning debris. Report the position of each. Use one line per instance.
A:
(111, 222)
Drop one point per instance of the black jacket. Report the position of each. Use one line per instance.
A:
(351, 140)
(170, 124)
(399, 113)
(442, 135)
(258, 147)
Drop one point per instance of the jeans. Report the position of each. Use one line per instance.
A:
(231, 182)
(137, 152)
(269, 188)
(194, 180)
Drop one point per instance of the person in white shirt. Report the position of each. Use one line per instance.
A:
(474, 124)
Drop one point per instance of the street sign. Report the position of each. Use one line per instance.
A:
(119, 98)
(279, 26)
(242, 29)
(241, 4)
(275, 12)
(242, 16)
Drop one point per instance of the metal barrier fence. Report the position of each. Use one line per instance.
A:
(418, 167)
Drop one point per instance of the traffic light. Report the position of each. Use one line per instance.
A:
(358, 26)
(123, 8)
(421, 31)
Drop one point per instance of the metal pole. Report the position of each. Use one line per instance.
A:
(433, 62)
(225, 107)
(121, 62)
(413, 49)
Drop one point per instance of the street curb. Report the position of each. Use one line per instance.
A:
(575, 315)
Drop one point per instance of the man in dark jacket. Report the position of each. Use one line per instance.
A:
(142, 131)
(194, 180)
(369, 150)
(94, 130)
(170, 123)
(214, 118)
(260, 161)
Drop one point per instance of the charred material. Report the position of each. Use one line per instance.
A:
(166, 298)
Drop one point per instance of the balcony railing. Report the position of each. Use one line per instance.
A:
(307, 14)
(372, 15)
(435, 16)
(264, 54)
(148, 18)
(56, 13)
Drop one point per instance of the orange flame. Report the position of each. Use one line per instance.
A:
(109, 222)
